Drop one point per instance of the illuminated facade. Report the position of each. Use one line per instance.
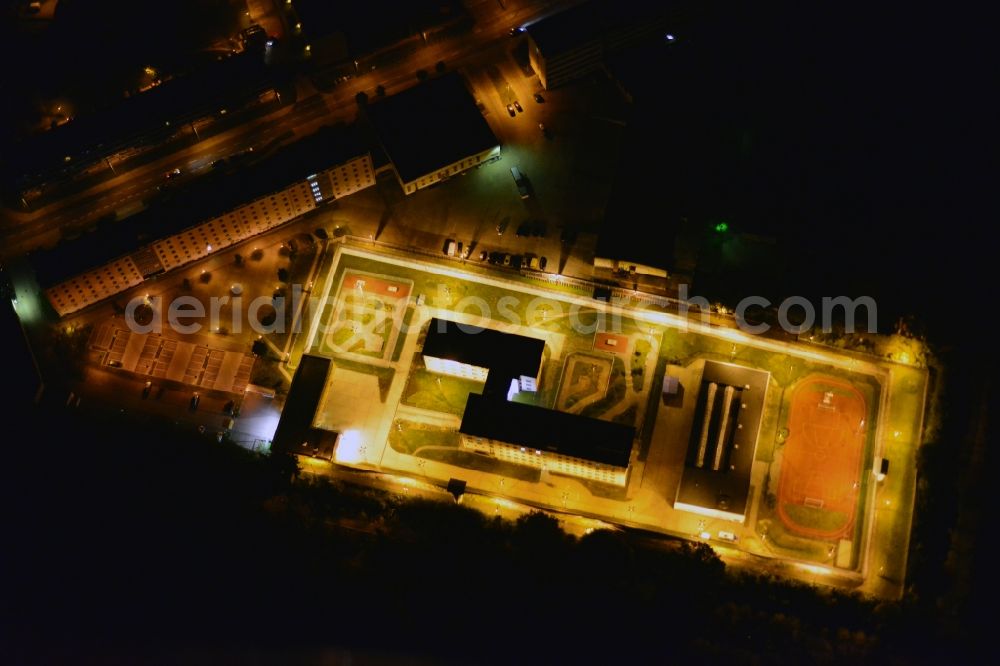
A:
(256, 217)
(432, 132)
(471, 352)
(547, 461)
(446, 366)
(455, 168)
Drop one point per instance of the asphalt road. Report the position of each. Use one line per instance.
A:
(24, 232)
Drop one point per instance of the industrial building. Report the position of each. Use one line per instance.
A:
(432, 132)
(716, 477)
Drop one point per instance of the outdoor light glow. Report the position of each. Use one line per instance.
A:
(722, 227)
(349, 447)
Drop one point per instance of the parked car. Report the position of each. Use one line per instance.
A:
(539, 98)
(483, 255)
(511, 111)
(517, 105)
(516, 30)
(542, 262)
(506, 260)
(173, 173)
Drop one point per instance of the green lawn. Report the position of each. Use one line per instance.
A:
(786, 544)
(407, 437)
(906, 390)
(440, 393)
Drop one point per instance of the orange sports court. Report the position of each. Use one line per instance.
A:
(821, 467)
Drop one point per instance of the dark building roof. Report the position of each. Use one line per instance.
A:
(21, 374)
(710, 164)
(198, 201)
(295, 425)
(370, 25)
(584, 23)
(632, 229)
(727, 488)
(430, 126)
(509, 354)
(549, 430)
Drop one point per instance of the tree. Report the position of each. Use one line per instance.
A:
(422, 75)
(283, 274)
(361, 98)
(380, 90)
(284, 468)
(440, 67)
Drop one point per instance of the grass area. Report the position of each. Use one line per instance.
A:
(335, 342)
(440, 393)
(820, 519)
(788, 545)
(616, 391)
(401, 338)
(906, 392)
(774, 408)
(627, 417)
(638, 362)
(408, 437)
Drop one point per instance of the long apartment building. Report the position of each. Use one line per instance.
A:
(347, 168)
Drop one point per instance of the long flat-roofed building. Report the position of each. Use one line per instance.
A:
(470, 352)
(548, 439)
(574, 42)
(716, 477)
(215, 214)
(496, 425)
(295, 432)
(432, 132)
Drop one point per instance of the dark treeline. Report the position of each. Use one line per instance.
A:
(131, 539)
